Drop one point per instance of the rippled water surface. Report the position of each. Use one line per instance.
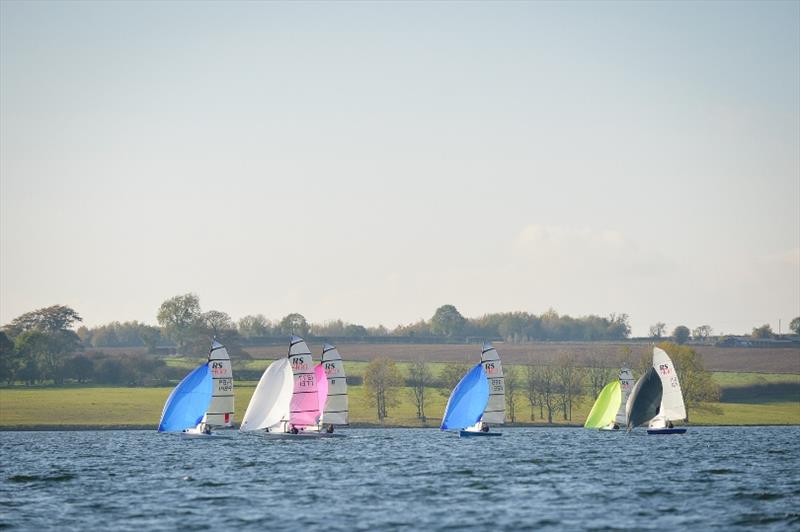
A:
(723, 478)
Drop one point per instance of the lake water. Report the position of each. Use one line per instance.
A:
(402, 479)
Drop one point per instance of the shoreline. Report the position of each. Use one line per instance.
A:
(110, 427)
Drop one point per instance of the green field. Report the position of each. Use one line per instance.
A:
(120, 406)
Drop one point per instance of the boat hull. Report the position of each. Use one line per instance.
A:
(300, 435)
(471, 434)
(201, 436)
(674, 430)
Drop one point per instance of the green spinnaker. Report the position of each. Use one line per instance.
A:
(605, 408)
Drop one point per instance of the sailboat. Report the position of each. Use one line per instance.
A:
(336, 410)
(608, 411)
(672, 406)
(467, 401)
(286, 401)
(644, 402)
(605, 408)
(203, 399)
(495, 411)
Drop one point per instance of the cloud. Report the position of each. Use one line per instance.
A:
(589, 249)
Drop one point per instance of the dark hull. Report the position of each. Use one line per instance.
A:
(674, 430)
(470, 434)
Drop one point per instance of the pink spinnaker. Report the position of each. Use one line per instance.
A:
(304, 407)
(322, 386)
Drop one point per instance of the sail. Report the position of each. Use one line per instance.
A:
(645, 400)
(605, 407)
(336, 409)
(220, 411)
(468, 400)
(496, 408)
(322, 386)
(304, 407)
(188, 402)
(269, 406)
(626, 383)
(672, 407)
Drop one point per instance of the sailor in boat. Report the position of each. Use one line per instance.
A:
(294, 430)
(484, 426)
(329, 429)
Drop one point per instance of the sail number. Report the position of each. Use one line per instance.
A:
(307, 381)
(218, 368)
(497, 385)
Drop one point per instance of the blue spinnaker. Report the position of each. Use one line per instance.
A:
(468, 400)
(187, 404)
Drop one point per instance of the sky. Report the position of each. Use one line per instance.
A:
(371, 161)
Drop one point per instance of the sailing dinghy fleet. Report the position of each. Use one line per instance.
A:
(295, 398)
(656, 400)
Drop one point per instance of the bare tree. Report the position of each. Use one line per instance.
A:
(420, 377)
(658, 330)
(512, 385)
(570, 382)
(450, 375)
(545, 378)
(597, 376)
(381, 380)
(532, 389)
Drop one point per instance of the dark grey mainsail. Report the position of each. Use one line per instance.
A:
(645, 399)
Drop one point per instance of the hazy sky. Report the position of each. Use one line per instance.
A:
(372, 161)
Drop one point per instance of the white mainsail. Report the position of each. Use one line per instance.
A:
(626, 383)
(336, 408)
(495, 411)
(269, 406)
(672, 406)
(220, 410)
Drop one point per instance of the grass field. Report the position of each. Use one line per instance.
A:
(119, 406)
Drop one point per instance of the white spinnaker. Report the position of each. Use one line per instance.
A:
(304, 409)
(626, 383)
(220, 409)
(269, 406)
(672, 407)
(495, 411)
(336, 409)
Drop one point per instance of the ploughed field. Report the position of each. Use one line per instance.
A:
(761, 360)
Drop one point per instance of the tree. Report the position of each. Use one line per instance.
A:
(254, 326)
(47, 351)
(697, 384)
(681, 334)
(512, 386)
(531, 388)
(447, 321)
(597, 376)
(420, 377)
(218, 322)
(794, 325)
(658, 330)
(80, 368)
(150, 336)
(48, 319)
(545, 378)
(702, 333)
(179, 317)
(570, 382)
(450, 375)
(10, 361)
(381, 380)
(765, 331)
(294, 323)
